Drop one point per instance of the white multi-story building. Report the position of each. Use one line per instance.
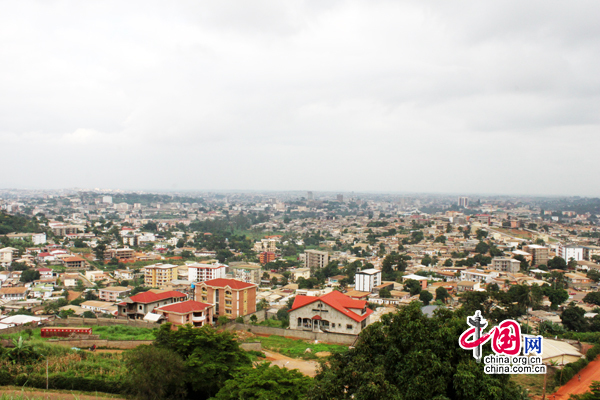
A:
(205, 272)
(367, 279)
(506, 264)
(568, 252)
(473, 275)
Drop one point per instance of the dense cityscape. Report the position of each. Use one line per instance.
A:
(310, 267)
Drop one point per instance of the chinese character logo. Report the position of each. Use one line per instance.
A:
(505, 338)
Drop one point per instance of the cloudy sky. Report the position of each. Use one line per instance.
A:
(410, 96)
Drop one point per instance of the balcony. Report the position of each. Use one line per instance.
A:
(198, 319)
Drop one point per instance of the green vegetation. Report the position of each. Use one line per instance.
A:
(273, 323)
(111, 332)
(411, 357)
(296, 348)
(265, 382)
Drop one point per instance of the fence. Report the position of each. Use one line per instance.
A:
(335, 338)
(71, 321)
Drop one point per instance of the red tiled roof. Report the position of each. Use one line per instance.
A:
(44, 255)
(338, 301)
(232, 283)
(150, 297)
(185, 307)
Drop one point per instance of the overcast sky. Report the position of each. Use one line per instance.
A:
(413, 96)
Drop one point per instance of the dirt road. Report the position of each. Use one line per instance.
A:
(308, 368)
(575, 386)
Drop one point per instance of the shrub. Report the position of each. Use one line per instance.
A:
(593, 353)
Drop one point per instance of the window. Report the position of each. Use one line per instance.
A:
(227, 311)
(333, 325)
(348, 326)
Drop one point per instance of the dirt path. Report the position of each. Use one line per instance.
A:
(308, 368)
(575, 386)
(51, 395)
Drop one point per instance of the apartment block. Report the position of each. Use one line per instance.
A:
(316, 259)
(568, 252)
(367, 279)
(246, 272)
(230, 297)
(266, 257)
(205, 272)
(159, 275)
(539, 254)
(505, 264)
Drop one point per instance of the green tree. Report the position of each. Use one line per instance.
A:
(155, 373)
(385, 293)
(557, 297)
(413, 286)
(482, 247)
(592, 298)
(573, 319)
(30, 275)
(211, 357)
(425, 297)
(89, 314)
(442, 294)
(593, 394)
(265, 382)
(557, 263)
(440, 239)
(408, 356)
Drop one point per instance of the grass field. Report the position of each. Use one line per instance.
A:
(534, 383)
(296, 348)
(112, 332)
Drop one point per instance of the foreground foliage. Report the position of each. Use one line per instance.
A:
(408, 356)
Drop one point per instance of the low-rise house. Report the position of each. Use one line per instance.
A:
(112, 293)
(74, 262)
(333, 312)
(468, 286)
(136, 307)
(187, 312)
(70, 280)
(421, 279)
(299, 273)
(103, 307)
(505, 264)
(124, 274)
(45, 273)
(13, 293)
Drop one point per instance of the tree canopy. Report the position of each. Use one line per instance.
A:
(409, 356)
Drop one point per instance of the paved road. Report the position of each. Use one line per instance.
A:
(575, 386)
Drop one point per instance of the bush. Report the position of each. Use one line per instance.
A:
(593, 353)
(569, 371)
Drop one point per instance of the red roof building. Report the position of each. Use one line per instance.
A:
(334, 312)
(187, 312)
(231, 298)
(136, 307)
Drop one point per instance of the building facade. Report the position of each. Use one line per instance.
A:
(568, 252)
(367, 279)
(205, 272)
(334, 312)
(505, 264)
(246, 272)
(159, 275)
(539, 254)
(136, 307)
(316, 259)
(230, 297)
(187, 312)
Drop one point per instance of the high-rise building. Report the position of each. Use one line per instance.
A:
(571, 251)
(107, 199)
(340, 198)
(309, 196)
(159, 275)
(539, 254)
(316, 259)
(266, 257)
(367, 279)
(231, 298)
(463, 202)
